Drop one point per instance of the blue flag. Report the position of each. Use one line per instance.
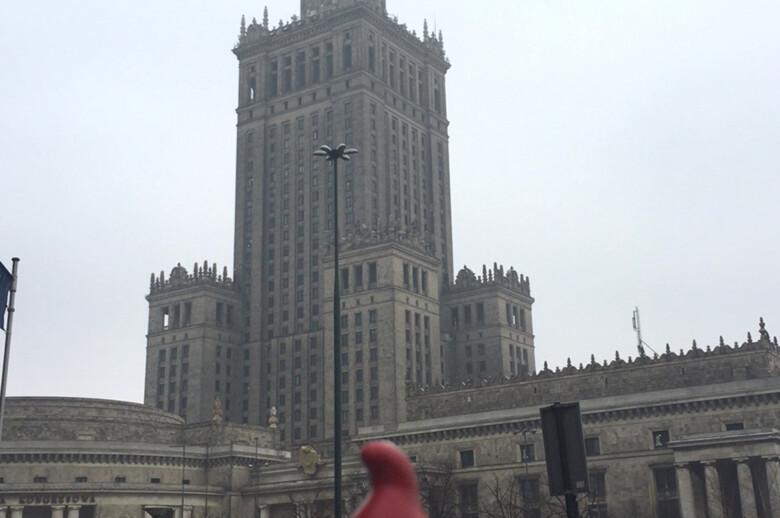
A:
(5, 286)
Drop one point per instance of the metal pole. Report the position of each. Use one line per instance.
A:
(7, 351)
(336, 348)
(256, 475)
(525, 450)
(207, 481)
(341, 152)
(183, 457)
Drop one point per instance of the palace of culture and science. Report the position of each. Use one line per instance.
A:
(260, 342)
(238, 413)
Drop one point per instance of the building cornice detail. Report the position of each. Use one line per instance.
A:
(510, 426)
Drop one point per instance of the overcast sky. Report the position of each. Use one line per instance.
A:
(619, 153)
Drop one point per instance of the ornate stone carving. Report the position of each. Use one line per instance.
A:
(309, 460)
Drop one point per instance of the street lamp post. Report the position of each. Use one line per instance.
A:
(183, 461)
(342, 152)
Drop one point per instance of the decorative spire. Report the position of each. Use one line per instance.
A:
(265, 18)
(693, 345)
(243, 25)
(425, 30)
(441, 38)
(721, 342)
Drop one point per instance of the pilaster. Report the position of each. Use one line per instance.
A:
(746, 491)
(772, 466)
(685, 491)
(712, 487)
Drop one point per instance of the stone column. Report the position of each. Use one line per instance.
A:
(712, 486)
(73, 511)
(16, 511)
(685, 491)
(265, 511)
(746, 491)
(772, 465)
(187, 511)
(57, 511)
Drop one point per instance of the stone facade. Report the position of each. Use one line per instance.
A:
(487, 325)
(444, 366)
(82, 458)
(193, 353)
(694, 435)
(341, 71)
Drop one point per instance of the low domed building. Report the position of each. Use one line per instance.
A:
(91, 458)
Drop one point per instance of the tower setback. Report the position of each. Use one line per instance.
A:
(343, 71)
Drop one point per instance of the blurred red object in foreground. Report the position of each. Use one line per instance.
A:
(394, 492)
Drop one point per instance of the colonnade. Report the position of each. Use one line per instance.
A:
(698, 502)
(57, 511)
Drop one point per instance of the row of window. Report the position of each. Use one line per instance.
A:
(180, 315)
(119, 479)
(173, 353)
(304, 67)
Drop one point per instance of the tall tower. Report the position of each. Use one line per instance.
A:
(341, 72)
(193, 346)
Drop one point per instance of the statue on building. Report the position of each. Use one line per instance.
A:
(217, 410)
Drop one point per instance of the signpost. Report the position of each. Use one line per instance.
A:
(564, 450)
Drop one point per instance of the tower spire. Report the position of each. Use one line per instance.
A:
(243, 25)
(425, 29)
(265, 17)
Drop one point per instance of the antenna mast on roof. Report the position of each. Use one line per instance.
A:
(640, 344)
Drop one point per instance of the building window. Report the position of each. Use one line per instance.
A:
(469, 500)
(81, 480)
(598, 494)
(529, 496)
(592, 446)
(466, 458)
(667, 503)
(527, 453)
(734, 426)
(660, 438)
(39, 480)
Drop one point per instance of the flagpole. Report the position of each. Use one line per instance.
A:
(7, 352)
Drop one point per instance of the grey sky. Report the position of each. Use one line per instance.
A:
(619, 153)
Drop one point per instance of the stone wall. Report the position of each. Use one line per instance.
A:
(62, 419)
(751, 360)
